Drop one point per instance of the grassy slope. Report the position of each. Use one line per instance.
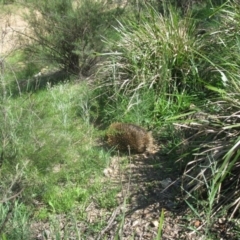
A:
(51, 148)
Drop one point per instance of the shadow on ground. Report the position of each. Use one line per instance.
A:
(150, 184)
(40, 81)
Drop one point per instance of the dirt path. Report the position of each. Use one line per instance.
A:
(148, 191)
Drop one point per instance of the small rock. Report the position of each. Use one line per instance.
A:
(119, 195)
(197, 223)
(135, 223)
(39, 237)
(138, 232)
(155, 223)
(166, 182)
(107, 172)
(222, 220)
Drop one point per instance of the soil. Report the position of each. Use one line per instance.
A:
(149, 190)
(10, 25)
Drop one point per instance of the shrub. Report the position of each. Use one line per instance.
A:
(68, 32)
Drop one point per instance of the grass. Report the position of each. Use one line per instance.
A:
(18, 226)
(160, 227)
(49, 133)
(155, 68)
(7, 6)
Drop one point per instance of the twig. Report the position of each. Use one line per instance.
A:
(12, 197)
(110, 222)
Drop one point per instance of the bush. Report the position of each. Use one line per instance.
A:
(68, 32)
(6, 1)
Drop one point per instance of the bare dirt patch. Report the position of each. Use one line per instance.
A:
(146, 191)
(11, 24)
(150, 185)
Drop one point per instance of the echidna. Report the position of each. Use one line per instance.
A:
(126, 136)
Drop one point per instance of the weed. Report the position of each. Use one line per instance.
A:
(42, 214)
(60, 200)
